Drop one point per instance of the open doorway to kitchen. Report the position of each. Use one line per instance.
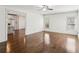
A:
(16, 31)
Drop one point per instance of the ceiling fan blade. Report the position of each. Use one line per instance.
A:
(50, 9)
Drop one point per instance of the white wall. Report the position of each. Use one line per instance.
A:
(3, 29)
(34, 23)
(57, 22)
(78, 24)
(22, 22)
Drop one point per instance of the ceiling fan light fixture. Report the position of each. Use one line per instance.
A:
(44, 9)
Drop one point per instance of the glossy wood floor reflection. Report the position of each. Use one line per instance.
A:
(16, 42)
(41, 42)
(58, 41)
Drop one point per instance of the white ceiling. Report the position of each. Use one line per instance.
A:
(57, 8)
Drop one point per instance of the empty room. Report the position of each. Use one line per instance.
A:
(39, 28)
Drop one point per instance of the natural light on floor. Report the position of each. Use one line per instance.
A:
(71, 45)
(47, 38)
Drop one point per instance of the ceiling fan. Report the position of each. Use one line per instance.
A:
(46, 8)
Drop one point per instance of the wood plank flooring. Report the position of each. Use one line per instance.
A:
(3, 47)
(36, 43)
(16, 42)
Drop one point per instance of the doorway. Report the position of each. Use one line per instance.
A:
(16, 32)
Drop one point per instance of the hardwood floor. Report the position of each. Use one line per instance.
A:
(58, 41)
(41, 42)
(16, 42)
(3, 47)
(35, 42)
